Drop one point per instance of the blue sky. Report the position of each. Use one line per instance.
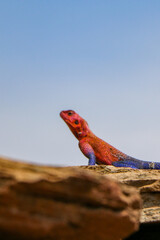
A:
(100, 58)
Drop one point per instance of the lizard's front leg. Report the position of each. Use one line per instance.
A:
(88, 151)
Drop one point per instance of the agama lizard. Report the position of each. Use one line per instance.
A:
(97, 150)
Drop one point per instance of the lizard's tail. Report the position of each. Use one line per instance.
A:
(157, 165)
(136, 163)
(150, 165)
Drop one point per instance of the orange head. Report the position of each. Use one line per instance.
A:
(78, 126)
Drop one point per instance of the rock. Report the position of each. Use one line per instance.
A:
(147, 181)
(43, 203)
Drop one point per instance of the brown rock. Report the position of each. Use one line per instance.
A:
(147, 181)
(38, 202)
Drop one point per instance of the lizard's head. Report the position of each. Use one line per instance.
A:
(77, 125)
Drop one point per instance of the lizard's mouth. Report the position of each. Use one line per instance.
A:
(68, 122)
(62, 115)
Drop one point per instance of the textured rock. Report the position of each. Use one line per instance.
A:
(38, 202)
(147, 181)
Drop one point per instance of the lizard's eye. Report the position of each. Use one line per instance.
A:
(70, 113)
(76, 122)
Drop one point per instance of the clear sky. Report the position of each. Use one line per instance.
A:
(100, 58)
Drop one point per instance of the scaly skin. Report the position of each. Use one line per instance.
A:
(97, 150)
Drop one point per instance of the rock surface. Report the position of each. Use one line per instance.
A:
(38, 202)
(147, 181)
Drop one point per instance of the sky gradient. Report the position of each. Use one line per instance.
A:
(100, 58)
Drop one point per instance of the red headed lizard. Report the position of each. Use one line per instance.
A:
(97, 150)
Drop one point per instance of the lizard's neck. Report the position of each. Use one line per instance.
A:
(82, 132)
